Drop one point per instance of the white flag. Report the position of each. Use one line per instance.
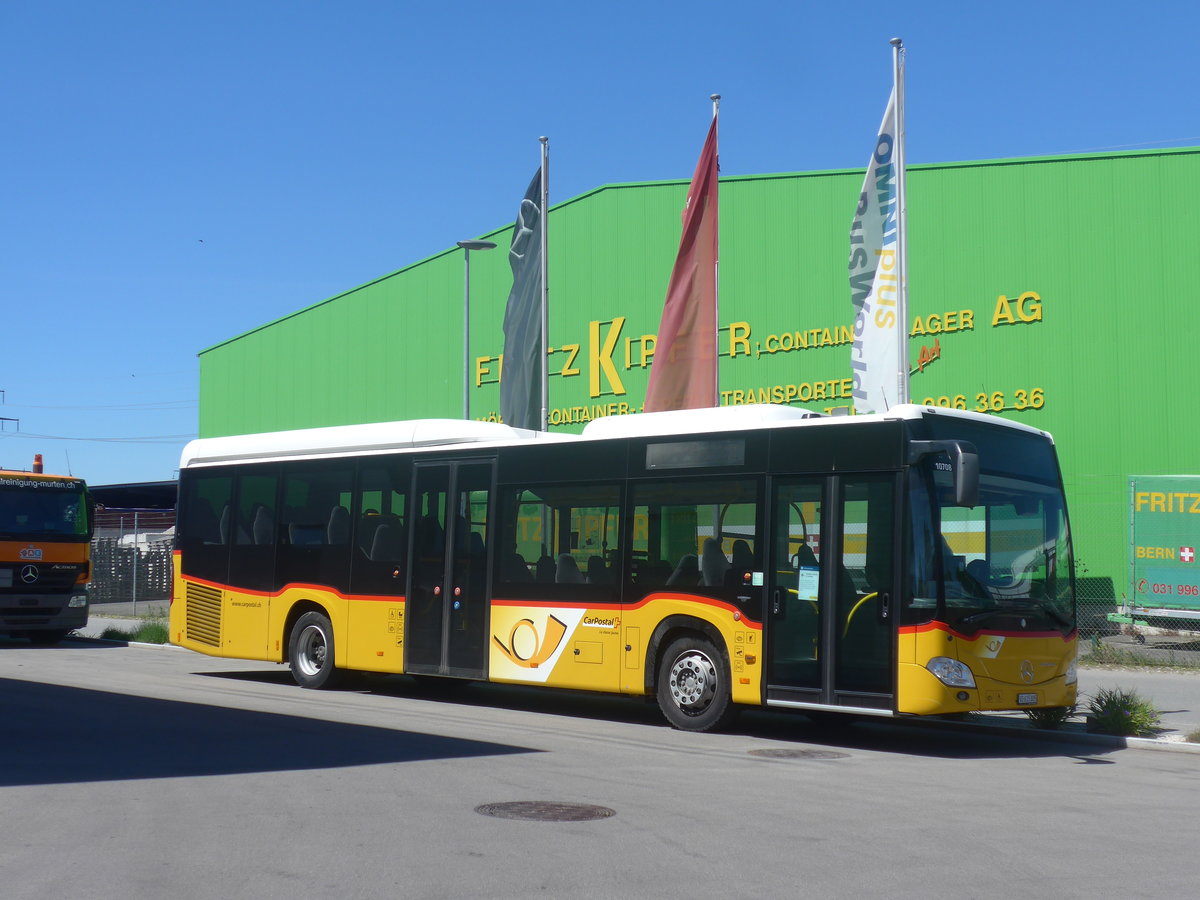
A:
(875, 276)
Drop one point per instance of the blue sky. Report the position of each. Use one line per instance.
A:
(177, 173)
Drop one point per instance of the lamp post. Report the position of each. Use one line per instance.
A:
(467, 247)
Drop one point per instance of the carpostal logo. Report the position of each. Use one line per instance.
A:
(601, 622)
(529, 649)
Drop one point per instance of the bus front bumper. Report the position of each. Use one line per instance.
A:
(922, 693)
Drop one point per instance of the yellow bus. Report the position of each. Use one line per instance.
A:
(45, 554)
(916, 562)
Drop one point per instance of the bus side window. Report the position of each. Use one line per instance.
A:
(699, 536)
(204, 538)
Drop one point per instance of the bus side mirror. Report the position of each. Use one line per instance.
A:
(964, 466)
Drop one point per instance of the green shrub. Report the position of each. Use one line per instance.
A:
(149, 631)
(1122, 713)
(1051, 718)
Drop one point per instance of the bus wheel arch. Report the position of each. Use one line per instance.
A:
(688, 671)
(310, 643)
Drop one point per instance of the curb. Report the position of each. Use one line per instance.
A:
(1109, 741)
(85, 638)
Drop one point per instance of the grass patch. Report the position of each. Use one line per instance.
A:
(148, 631)
(1123, 713)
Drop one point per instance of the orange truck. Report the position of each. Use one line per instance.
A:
(46, 526)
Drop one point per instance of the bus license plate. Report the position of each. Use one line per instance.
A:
(1026, 699)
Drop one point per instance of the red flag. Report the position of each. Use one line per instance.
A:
(683, 373)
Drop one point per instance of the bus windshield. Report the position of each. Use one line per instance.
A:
(38, 510)
(1004, 565)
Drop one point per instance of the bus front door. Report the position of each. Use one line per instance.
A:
(829, 619)
(447, 608)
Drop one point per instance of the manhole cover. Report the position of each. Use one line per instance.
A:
(789, 753)
(543, 811)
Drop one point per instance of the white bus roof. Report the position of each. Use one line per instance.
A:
(692, 421)
(415, 434)
(346, 439)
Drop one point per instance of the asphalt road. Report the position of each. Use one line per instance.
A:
(137, 772)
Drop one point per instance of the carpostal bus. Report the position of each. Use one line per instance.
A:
(916, 562)
(46, 527)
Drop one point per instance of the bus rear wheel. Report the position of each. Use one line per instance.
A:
(693, 685)
(310, 652)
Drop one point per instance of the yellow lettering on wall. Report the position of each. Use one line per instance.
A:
(739, 336)
(481, 369)
(1003, 313)
(1029, 307)
(573, 349)
(600, 357)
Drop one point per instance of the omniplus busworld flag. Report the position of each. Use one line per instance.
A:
(874, 277)
(878, 357)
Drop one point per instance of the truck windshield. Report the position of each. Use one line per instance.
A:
(35, 511)
(1004, 565)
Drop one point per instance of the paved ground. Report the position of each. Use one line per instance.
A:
(137, 773)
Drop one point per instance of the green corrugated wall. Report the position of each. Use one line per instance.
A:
(1106, 242)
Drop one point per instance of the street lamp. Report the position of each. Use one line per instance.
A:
(468, 246)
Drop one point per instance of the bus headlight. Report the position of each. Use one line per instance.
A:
(951, 672)
(1073, 672)
(77, 601)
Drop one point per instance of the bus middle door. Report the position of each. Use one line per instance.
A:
(448, 604)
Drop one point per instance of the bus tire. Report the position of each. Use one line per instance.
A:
(310, 652)
(693, 685)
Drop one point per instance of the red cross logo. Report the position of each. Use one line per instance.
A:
(1187, 554)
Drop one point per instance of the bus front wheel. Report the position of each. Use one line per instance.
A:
(310, 651)
(693, 685)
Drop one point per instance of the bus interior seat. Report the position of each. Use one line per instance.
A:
(713, 563)
(337, 530)
(805, 558)
(567, 570)
(387, 544)
(262, 528)
(223, 525)
(430, 537)
(514, 568)
(743, 556)
(546, 568)
(687, 571)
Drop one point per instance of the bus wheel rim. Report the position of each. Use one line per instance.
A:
(693, 681)
(312, 650)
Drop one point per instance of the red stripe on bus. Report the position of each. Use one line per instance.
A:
(296, 585)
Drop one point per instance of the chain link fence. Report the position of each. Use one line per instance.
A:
(131, 556)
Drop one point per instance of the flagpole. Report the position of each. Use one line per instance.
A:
(545, 351)
(902, 394)
(716, 102)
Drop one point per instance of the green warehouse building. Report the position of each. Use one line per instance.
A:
(1050, 290)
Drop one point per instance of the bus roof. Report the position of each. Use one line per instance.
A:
(339, 439)
(380, 437)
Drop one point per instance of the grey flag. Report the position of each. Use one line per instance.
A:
(521, 376)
